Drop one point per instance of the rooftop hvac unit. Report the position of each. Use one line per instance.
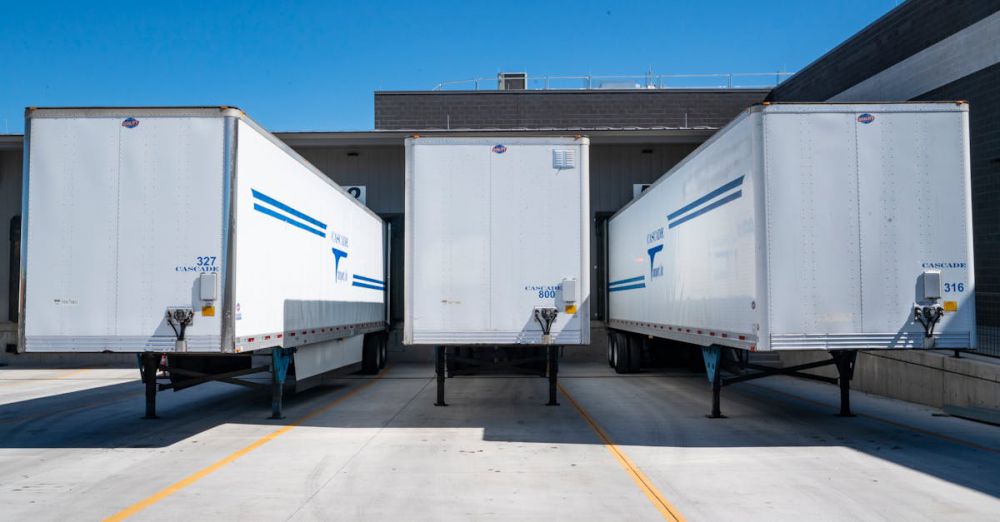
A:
(512, 81)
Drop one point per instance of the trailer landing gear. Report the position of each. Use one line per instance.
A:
(713, 368)
(186, 370)
(149, 364)
(448, 363)
(553, 371)
(843, 360)
(439, 365)
(280, 359)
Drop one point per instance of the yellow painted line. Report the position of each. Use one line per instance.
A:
(69, 374)
(206, 471)
(668, 510)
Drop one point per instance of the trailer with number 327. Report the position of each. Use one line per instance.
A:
(199, 241)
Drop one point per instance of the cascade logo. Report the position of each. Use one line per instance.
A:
(866, 118)
(130, 123)
(942, 265)
(499, 148)
(337, 256)
(658, 270)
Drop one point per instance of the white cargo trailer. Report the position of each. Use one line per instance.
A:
(836, 227)
(497, 250)
(194, 233)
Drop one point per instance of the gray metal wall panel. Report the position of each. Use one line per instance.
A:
(901, 33)
(10, 206)
(379, 168)
(615, 168)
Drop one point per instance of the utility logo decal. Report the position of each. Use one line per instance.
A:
(130, 123)
(866, 118)
(499, 148)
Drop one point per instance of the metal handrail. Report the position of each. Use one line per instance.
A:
(642, 81)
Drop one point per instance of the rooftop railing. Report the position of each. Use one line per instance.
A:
(643, 81)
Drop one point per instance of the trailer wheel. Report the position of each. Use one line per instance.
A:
(370, 355)
(635, 344)
(383, 347)
(611, 349)
(621, 353)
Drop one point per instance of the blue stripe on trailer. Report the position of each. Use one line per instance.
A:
(725, 188)
(286, 219)
(370, 280)
(629, 280)
(301, 215)
(363, 285)
(629, 287)
(732, 197)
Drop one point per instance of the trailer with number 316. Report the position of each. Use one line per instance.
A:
(802, 227)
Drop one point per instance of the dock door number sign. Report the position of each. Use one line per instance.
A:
(360, 192)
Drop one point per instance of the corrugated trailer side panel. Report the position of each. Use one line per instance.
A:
(123, 213)
(682, 258)
(309, 258)
(861, 200)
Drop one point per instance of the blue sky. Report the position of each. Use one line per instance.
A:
(315, 65)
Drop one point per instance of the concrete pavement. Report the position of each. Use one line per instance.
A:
(72, 445)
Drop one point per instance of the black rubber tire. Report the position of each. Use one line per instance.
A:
(621, 353)
(383, 346)
(635, 343)
(369, 354)
(611, 349)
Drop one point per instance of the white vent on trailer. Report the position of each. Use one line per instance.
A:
(563, 159)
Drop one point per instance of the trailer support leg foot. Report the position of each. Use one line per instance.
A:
(845, 360)
(439, 364)
(713, 368)
(150, 364)
(280, 359)
(553, 370)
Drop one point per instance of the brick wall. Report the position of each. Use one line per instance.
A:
(561, 109)
(901, 33)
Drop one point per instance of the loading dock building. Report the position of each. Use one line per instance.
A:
(921, 50)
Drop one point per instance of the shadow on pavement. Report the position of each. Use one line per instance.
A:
(652, 410)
